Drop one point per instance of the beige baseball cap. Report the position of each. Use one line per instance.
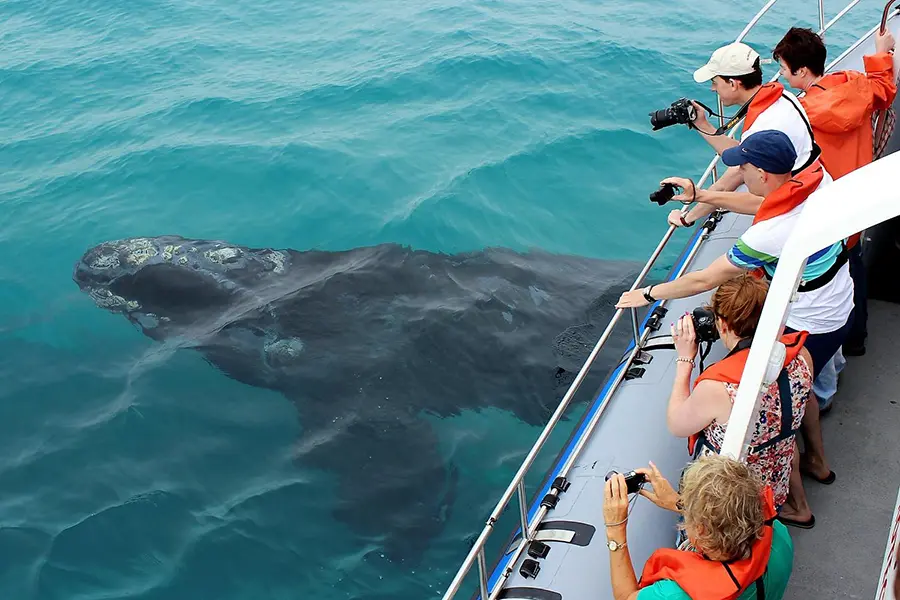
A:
(732, 60)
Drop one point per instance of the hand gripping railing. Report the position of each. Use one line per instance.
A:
(517, 485)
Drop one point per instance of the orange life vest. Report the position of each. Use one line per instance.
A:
(767, 95)
(731, 368)
(704, 579)
(791, 194)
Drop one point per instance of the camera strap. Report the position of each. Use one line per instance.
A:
(732, 121)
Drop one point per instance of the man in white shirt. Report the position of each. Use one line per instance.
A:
(824, 306)
(735, 75)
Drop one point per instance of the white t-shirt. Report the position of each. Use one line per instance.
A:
(784, 116)
(818, 311)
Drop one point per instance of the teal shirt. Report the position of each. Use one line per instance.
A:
(781, 562)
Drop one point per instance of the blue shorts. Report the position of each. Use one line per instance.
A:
(822, 346)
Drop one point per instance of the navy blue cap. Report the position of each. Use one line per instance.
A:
(769, 150)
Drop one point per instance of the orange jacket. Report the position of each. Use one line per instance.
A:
(704, 579)
(840, 108)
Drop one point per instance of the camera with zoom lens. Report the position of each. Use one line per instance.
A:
(633, 481)
(704, 324)
(681, 111)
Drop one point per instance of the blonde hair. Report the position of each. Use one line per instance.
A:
(722, 503)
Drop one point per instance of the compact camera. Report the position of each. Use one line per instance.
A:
(633, 481)
(664, 194)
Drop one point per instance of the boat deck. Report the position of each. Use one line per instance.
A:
(841, 556)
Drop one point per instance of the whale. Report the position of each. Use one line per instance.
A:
(374, 346)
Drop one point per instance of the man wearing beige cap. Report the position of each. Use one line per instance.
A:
(735, 75)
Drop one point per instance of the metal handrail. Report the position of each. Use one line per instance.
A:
(517, 485)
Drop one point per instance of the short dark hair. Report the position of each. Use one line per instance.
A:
(750, 80)
(802, 48)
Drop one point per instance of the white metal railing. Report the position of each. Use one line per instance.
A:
(516, 487)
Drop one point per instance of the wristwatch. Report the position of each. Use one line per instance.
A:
(647, 295)
(613, 545)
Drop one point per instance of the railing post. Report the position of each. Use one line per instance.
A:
(634, 327)
(822, 15)
(482, 575)
(523, 508)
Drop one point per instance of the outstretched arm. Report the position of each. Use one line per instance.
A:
(696, 282)
(730, 180)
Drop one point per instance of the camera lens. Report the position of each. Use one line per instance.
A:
(681, 111)
(662, 118)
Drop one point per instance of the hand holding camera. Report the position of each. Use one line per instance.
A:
(685, 337)
(615, 498)
(692, 329)
(683, 111)
(662, 494)
(666, 192)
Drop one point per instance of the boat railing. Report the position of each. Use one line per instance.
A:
(516, 487)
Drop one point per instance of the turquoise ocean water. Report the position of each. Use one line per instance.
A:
(446, 126)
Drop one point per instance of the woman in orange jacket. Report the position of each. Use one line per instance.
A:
(840, 106)
(735, 549)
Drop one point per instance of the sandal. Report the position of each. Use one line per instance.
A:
(808, 524)
(828, 480)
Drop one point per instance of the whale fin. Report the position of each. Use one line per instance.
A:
(395, 490)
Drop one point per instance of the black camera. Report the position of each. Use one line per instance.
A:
(681, 111)
(705, 324)
(664, 194)
(633, 481)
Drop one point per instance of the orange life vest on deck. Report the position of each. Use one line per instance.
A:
(731, 368)
(704, 579)
(767, 95)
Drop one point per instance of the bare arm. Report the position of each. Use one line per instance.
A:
(690, 413)
(615, 516)
(719, 143)
(744, 203)
(621, 572)
(730, 180)
(696, 282)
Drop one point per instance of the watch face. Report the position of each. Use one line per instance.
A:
(612, 545)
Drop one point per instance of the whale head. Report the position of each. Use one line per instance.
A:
(171, 282)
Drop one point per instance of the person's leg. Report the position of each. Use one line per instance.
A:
(796, 509)
(813, 460)
(825, 385)
(855, 344)
(821, 347)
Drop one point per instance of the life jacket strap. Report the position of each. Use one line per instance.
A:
(787, 414)
(828, 275)
(761, 588)
(823, 279)
(815, 151)
(787, 419)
